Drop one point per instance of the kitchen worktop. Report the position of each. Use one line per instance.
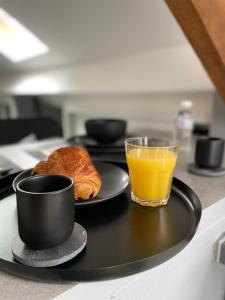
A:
(209, 189)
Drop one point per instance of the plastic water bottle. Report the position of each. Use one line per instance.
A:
(184, 125)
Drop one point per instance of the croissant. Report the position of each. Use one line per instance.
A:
(76, 163)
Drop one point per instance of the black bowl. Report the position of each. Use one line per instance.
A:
(105, 130)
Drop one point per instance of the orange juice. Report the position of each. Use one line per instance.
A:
(151, 171)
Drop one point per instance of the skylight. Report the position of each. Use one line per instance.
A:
(17, 43)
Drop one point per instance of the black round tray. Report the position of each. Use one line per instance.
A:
(123, 237)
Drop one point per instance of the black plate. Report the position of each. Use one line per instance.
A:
(114, 182)
(89, 143)
(6, 163)
(123, 237)
(6, 184)
(6, 180)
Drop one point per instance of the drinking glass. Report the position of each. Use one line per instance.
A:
(151, 163)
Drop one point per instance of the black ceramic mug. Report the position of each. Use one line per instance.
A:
(45, 207)
(209, 152)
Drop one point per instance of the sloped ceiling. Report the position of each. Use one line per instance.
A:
(80, 31)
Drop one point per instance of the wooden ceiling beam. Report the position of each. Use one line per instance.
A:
(203, 23)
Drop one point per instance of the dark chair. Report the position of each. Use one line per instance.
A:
(13, 130)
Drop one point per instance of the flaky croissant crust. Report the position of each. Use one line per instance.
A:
(76, 163)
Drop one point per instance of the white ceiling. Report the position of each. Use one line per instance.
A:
(79, 31)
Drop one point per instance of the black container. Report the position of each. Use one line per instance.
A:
(209, 152)
(105, 130)
(45, 207)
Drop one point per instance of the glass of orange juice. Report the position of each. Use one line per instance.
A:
(151, 163)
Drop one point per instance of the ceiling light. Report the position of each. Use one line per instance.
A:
(17, 43)
(35, 84)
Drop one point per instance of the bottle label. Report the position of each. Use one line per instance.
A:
(184, 124)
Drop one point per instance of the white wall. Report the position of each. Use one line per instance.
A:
(173, 69)
(144, 88)
(218, 117)
(144, 112)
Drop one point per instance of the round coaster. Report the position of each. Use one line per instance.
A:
(193, 168)
(51, 256)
